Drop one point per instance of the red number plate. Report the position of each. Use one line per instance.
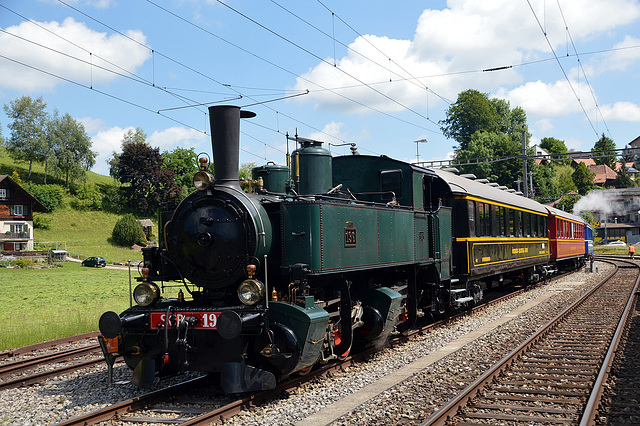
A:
(208, 320)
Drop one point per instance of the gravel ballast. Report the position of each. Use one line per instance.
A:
(409, 401)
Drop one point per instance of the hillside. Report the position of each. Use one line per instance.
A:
(7, 166)
(84, 232)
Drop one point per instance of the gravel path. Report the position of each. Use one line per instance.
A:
(410, 400)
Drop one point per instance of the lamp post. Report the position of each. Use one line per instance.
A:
(419, 141)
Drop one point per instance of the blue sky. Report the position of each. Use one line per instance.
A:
(380, 74)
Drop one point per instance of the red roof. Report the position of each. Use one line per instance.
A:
(603, 173)
(586, 161)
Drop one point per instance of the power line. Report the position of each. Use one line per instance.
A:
(595, 101)
(319, 58)
(561, 67)
(413, 78)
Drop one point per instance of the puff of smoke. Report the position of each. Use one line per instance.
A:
(604, 202)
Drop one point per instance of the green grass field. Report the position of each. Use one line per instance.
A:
(38, 305)
(86, 233)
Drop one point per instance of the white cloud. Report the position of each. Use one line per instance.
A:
(468, 35)
(544, 126)
(541, 99)
(621, 111)
(115, 48)
(107, 141)
(104, 144)
(331, 129)
(91, 125)
(174, 137)
(626, 54)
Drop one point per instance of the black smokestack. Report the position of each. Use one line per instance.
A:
(225, 138)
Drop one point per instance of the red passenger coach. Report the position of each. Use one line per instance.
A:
(566, 237)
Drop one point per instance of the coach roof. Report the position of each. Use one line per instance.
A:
(467, 187)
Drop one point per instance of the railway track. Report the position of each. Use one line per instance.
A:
(557, 375)
(619, 400)
(173, 406)
(29, 370)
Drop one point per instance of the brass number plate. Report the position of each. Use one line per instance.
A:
(350, 239)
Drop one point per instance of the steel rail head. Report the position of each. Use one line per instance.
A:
(591, 409)
(442, 416)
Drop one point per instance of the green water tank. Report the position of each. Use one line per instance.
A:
(274, 176)
(311, 168)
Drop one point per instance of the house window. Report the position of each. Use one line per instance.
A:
(18, 210)
(17, 228)
(3, 193)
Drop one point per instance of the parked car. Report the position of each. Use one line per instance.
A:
(617, 243)
(95, 261)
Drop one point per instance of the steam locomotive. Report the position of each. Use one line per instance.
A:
(329, 254)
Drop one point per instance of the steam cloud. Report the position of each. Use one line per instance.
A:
(606, 203)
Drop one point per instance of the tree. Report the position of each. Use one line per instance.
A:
(471, 112)
(555, 147)
(544, 183)
(480, 146)
(511, 122)
(28, 141)
(623, 178)
(563, 179)
(71, 147)
(583, 178)
(184, 163)
(127, 231)
(567, 202)
(245, 170)
(507, 172)
(607, 147)
(145, 181)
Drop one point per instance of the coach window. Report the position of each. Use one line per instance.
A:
(510, 222)
(495, 220)
(471, 206)
(526, 221)
(487, 220)
(501, 221)
(518, 223)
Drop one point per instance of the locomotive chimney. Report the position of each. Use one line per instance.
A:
(225, 138)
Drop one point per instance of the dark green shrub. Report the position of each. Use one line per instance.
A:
(128, 231)
(112, 200)
(50, 196)
(41, 220)
(88, 197)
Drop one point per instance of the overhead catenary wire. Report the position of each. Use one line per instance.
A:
(171, 59)
(561, 67)
(319, 58)
(239, 89)
(575, 50)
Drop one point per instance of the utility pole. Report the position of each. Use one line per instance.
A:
(419, 141)
(531, 184)
(524, 162)
(519, 181)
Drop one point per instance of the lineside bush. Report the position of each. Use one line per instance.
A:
(128, 231)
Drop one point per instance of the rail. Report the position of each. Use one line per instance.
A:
(478, 387)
